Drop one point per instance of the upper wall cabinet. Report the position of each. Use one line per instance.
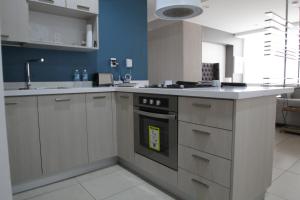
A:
(51, 24)
(14, 16)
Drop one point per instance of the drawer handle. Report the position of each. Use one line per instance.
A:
(200, 158)
(201, 132)
(124, 97)
(62, 100)
(200, 105)
(47, 1)
(200, 183)
(99, 97)
(11, 104)
(4, 36)
(83, 7)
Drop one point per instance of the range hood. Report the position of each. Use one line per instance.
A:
(178, 9)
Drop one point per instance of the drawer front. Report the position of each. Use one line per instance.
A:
(199, 188)
(208, 112)
(205, 165)
(210, 140)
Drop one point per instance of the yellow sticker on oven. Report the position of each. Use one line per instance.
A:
(154, 138)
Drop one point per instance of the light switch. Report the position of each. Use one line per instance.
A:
(129, 63)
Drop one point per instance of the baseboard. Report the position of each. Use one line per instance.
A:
(43, 181)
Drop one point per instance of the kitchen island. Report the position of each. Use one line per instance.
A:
(225, 137)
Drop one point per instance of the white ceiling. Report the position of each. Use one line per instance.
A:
(236, 16)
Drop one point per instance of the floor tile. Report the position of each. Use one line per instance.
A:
(284, 160)
(280, 137)
(108, 185)
(272, 197)
(276, 173)
(99, 173)
(295, 168)
(141, 192)
(45, 189)
(75, 192)
(287, 186)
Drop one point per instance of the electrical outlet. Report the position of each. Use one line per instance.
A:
(129, 63)
(114, 63)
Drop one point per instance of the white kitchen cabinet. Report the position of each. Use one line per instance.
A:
(14, 20)
(60, 3)
(91, 6)
(101, 140)
(63, 132)
(124, 117)
(23, 139)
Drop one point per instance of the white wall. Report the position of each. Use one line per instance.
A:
(5, 185)
(214, 53)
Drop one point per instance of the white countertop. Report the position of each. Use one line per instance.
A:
(218, 93)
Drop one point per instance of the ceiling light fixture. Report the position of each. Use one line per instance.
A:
(178, 9)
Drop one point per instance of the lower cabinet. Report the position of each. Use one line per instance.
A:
(23, 139)
(124, 115)
(63, 132)
(101, 141)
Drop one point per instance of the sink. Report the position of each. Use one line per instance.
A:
(44, 88)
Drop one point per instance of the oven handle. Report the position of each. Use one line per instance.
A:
(156, 115)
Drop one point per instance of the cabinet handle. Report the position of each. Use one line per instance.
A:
(200, 182)
(200, 132)
(200, 158)
(11, 104)
(4, 36)
(99, 97)
(47, 1)
(83, 7)
(200, 105)
(62, 100)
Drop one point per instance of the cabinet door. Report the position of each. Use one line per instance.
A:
(125, 126)
(101, 142)
(60, 3)
(91, 6)
(14, 20)
(23, 139)
(63, 132)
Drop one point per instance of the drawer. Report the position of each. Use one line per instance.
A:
(209, 140)
(208, 112)
(91, 6)
(60, 3)
(205, 165)
(199, 188)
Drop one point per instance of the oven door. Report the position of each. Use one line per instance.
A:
(156, 137)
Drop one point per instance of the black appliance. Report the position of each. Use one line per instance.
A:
(156, 128)
(184, 85)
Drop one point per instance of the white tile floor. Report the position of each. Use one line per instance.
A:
(116, 183)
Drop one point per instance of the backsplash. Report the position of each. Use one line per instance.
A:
(123, 34)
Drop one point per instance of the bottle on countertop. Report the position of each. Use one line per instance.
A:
(85, 75)
(76, 78)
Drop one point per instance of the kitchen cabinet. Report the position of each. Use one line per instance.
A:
(14, 21)
(60, 3)
(23, 138)
(101, 141)
(84, 5)
(63, 132)
(124, 115)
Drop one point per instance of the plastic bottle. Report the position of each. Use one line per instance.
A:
(85, 76)
(76, 78)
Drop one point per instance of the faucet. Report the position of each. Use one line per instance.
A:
(28, 75)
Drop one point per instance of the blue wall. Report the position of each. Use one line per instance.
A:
(123, 34)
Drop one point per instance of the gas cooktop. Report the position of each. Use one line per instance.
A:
(183, 85)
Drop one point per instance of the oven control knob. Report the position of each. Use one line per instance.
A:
(151, 101)
(145, 101)
(158, 102)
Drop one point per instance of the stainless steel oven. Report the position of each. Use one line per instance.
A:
(156, 128)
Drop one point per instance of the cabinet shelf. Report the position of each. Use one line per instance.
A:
(56, 46)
